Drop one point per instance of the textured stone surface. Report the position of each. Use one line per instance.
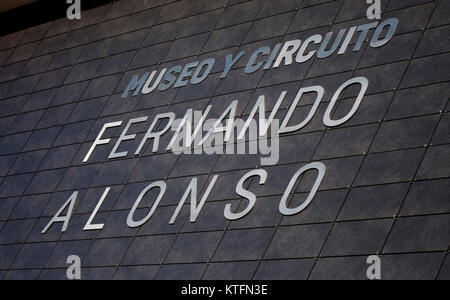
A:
(386, 188)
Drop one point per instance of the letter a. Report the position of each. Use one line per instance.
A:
(74, 11)
(374, 11)
(57, 218)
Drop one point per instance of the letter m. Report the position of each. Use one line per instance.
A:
(135, 85)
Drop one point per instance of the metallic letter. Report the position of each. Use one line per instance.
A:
(246, 194)
(392, 23)
(195, 210)
(287, 52)
(320, 92)
(169, 78)
(135, 84)
(187, 122)
(252, 65)
(260, 107)
(146, 89)
(301, 58)
(272, 56)
(57, 218)
(156, 135)
(185, 74)
(230, 62)
(284, 210)
(89, 225)
(347, 40)
(162, 187)
(209, 63)
(327, 117)
(98, 141)
(124, 137)
(364, 29)
(323, 53)
(231, 110)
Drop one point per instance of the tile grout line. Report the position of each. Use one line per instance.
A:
(349, 188)
(260, 260)
(426, 146)
(66, 171)
(21, 196)
(180, 230)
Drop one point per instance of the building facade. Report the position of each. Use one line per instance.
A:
(364, 104)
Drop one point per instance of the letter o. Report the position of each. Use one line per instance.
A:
(284, 210)
(392, 23)
(364, 82)
(196, 78)
(159, 184)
